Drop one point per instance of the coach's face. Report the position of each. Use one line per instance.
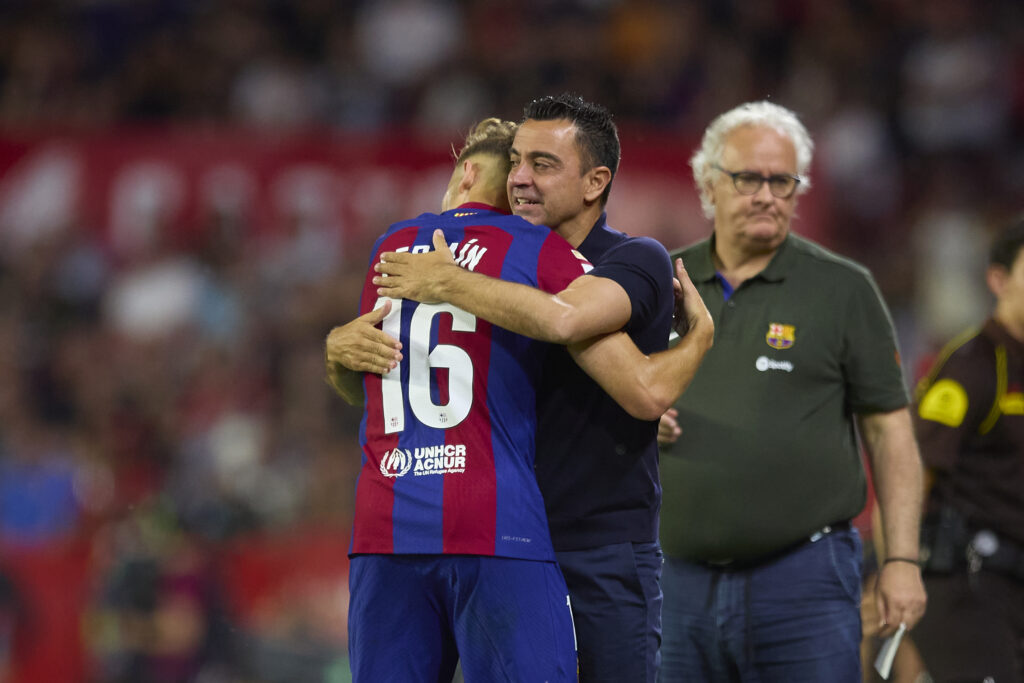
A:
(760, 221)
(547, 184)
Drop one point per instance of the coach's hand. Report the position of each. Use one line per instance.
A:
(690, 311)
(668, 427)
(360, 347)
(420, 277)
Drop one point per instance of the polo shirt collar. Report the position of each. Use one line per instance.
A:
(780, 264)
(703, 265)
(1002, 335)
(597, 238)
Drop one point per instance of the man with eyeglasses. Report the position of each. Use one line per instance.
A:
(760, 467)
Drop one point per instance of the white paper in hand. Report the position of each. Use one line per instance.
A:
(883, 662)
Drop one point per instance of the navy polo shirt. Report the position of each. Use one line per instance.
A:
(596, 465)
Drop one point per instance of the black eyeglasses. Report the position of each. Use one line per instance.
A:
(781, 185)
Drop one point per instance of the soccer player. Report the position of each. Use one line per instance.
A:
(451, 555)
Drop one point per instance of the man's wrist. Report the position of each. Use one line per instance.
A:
(445, 282)
(702, 327)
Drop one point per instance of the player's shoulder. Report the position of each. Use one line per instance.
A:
(425, 217)
(520, 226)
(476, 221)
(420, 221)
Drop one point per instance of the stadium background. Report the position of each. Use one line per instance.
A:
(189, 189)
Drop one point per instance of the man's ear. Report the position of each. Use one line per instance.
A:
(996, 277)
(595, 181)
(470, 172)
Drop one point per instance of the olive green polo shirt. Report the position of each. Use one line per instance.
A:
(768, 453)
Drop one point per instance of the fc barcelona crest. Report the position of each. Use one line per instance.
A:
(780, 336)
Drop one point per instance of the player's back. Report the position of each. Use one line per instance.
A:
(448, 436)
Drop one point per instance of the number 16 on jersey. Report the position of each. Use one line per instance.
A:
(421, 359)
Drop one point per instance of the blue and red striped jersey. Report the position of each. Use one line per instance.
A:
(448, 437)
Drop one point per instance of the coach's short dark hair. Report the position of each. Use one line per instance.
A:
(1007, 245)
(596, 134)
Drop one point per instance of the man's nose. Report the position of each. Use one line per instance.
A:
(518, 175)
(764, 194)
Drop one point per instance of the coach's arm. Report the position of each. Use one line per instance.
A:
(588, 307)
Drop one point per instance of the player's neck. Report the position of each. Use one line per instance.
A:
(490, 196)
(1011, 324)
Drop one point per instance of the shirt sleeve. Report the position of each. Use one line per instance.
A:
(953, 401)
(641, 266)
(871, 359)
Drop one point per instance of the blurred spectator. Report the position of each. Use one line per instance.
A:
(159, 614)
(276, 90)
(955, 90)
(37, 483)
(10, 616)
(950, 238)
(400, 41)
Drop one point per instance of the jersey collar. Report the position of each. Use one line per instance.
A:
(1002, 335)
(478, 207)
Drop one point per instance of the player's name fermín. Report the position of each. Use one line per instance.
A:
(467, 255)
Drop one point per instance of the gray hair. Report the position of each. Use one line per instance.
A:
(766, 114)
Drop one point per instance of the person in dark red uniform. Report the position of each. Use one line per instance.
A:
(970, 427)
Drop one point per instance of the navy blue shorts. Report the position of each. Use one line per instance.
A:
(412, 617)
(616, 603)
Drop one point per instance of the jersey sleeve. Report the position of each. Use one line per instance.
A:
(396, 236)
(871, 360)
(641, 266)
(952, 402)
(558, 264)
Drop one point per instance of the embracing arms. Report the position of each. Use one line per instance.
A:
(647, 385)
(587, 307)
(586, 315)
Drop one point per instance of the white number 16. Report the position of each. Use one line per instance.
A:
(421, 359)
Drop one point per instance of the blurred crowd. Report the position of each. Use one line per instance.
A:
(918, 108)
(163, 404)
